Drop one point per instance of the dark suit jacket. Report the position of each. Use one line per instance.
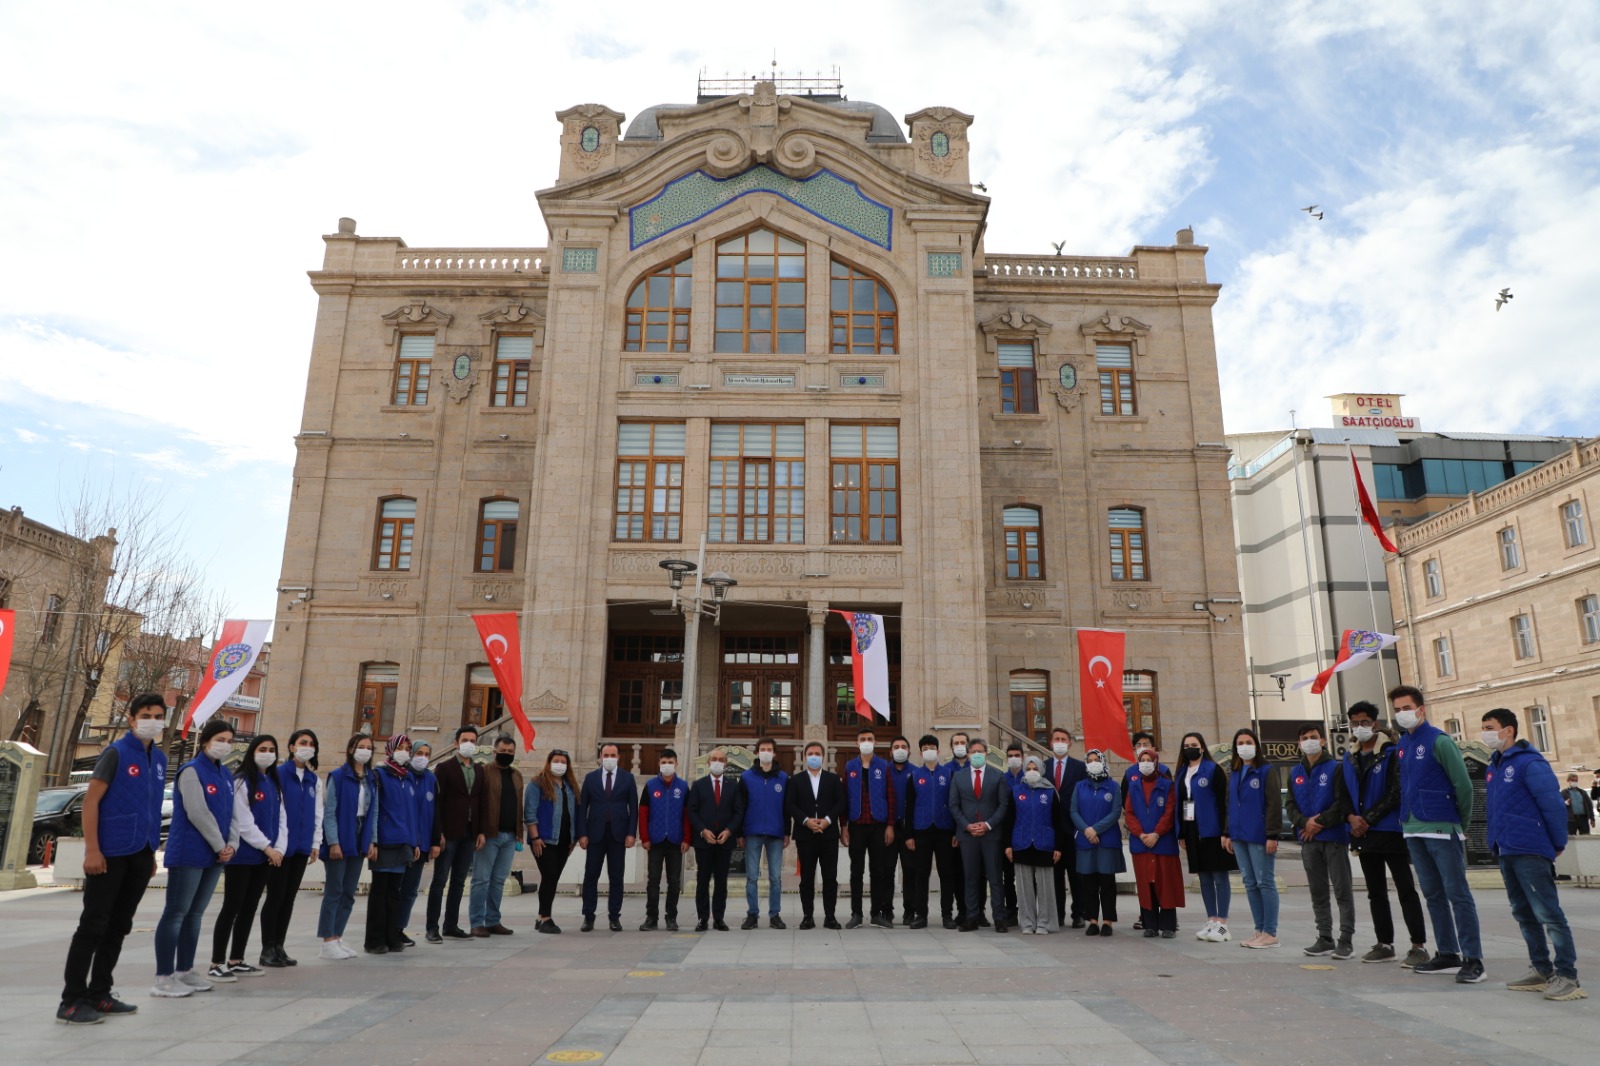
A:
(993, 807)
(453, 813)
(705, 813)
(1076, 771)
(618, 812)
(829, 802)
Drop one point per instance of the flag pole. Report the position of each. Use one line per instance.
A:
(1311, 580)
(1366, 567)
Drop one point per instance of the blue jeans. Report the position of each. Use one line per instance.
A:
(1217, 893)
(754, 847)
(1441, 867)
(491, 865)
(189, 891)
(1531, 887)
(340, 879)
(1256, 869)
(410, 885)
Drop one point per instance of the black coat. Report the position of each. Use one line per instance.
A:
(829, 802)
(706, 814)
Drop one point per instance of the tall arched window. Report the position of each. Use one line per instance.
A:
(375, 709)
(863, 312)
(761, 294)
(658, 310)
(391, 547)
(497, 536)
(1023, 528)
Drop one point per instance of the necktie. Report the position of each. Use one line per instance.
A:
(608, 782)
(1059, 766)
(977, 784)
(716, 788)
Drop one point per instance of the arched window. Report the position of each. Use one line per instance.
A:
(375, 710)
(1023, 528)
(497, 536)
(391, 548)
(1127, 544)
(863, 312)
(1139, 703)
(1030, 704)
(658, 310)
(761, 294)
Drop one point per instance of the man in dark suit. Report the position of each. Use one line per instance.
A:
(814, 801)
(608, 816)
(1064, 773)
(458, 782)
(980, 802)
(716, 815)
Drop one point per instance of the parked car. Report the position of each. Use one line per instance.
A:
(58, 812)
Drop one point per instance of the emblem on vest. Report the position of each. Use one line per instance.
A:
(877, 774)
(1323, 778)
(1043, 800)
(1201, 782)
(211, 790)
(1255, 782)
(1022, 797)
(1510, 770)
(430, 797)
(677, 793)
(853, 773)
(1420, 751)
(777, 787)
(656, 793)
(941, 779)
(260, 796)
(133, 771)
(1300, 779)
(1161, 801)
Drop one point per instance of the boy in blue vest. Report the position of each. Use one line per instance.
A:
(1372, 784)
(1317, 807)
(121, 833)
(1435, 806)
(930, 837)
(899, 858)
(1527, 831)
(664, 832)
(869, 830)
(765, 834)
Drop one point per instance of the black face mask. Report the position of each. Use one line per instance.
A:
(504, 758)
(1191, 754)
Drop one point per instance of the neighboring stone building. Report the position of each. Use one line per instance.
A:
(1294, 507)
(769, 320)
(1500, 598)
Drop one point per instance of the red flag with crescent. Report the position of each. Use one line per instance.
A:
(1105, 721)
(8, 623)
(504, 648)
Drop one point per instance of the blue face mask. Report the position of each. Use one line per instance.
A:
(978, 759)
(813, 762)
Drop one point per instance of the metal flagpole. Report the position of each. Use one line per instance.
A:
(1366, 568)
(1311, 581)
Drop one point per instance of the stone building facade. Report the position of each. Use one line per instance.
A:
(768, 320)
(1500, 598)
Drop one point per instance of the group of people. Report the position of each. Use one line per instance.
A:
(1035, 842)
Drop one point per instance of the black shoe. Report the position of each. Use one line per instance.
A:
(855, 922)
(1150, 932)
(112, 1007)
(883, 921)
(648, 926)
(587, 926)
(376, 949)
(1105, 930)
(830, 922)
(406, 941)
(983, 922)
(719, 925)
(455, 932)
(951, 923)
(920, 923)
(807, 923)
(616, 925)
(1440, 964)
(1077, 923)
(968, 927)
(702, 925)
(672, 925)
(432, 936)
(1471, 973)
(750, 922)
(1138, 924)
(270, 957)
(79, 1012)
(1092, 930)
(1168, 934)
(1001, 927)
(776, 922)
(546, 925)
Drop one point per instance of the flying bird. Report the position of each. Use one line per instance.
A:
(1309, 210)
(1058, 245)
(1318, 215)
(1504, 298)
(980, 186)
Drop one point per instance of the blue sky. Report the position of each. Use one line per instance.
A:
(163, 201)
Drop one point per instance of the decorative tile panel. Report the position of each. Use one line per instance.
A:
(579, 260)
(944, 264)
(824, 194)
(861, 381)
(655, 379)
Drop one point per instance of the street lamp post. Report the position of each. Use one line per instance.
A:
(694, 608)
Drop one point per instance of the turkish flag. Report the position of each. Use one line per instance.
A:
(8, 622)
(1369, 513)
(1105, 721)
(504, 648)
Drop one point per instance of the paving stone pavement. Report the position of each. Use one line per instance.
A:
(815, 998)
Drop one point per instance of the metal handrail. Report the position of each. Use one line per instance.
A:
(445, 754)
(1026, 741)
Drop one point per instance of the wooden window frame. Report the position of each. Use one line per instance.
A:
(641, 317)
(496, 537)
(1019, 385)
(512, 377)
(761, 673)
(839, 684)
(1029, 714)
(663, 665)
(380, 696)
(1122, 539)
(658, 474)
(404, 530)
(844, 321)
(412, 377)
(1115, 381)
(746, 487)
(889, 489)
(490, 702)
(1131, 700)
(748, 286)
(1023, 539)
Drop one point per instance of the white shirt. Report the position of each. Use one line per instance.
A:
(244, 822)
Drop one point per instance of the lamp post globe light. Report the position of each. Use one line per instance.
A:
(694, 608)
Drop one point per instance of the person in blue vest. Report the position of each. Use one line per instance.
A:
(931, 838)
(197, 848)
(121, 835)
(550, 809)
(765, 824)
(259, 834)
(1372, 786)
(301, 788)
(1151, 812)
(664, 832)
(1317, 809)
(1037, 828)
(869, 830)
(1255, 818)
(1435, 806)
(1064, 773)
(1095, 809)
(349, 816)
(959, 761)
(425, 791)
(899, 858)
(1527, 831)
(395, 846)
(1202, 823)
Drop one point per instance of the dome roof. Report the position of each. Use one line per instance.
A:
(885, 130)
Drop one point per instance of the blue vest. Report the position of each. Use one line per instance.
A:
(1364, 791)
(1096, 800)
(426, 788)
(900, 778)
(1132, 776)
(929, 799)
(299, 805)
(266, 809)
(1426, 791)
(1149, 811)
(185, 845)
(1208, 791)
(877, 788)
(1313, 790)
(397, 809)
(346, 787)
(130, 810)
(666, 809)
(1033, 817)
(763, 801)
(1248, 796)
(1527, 810)
(545, 816)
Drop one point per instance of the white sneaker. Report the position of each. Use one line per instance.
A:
(195, 981)
(1220, 934)
(1205, 934)
(349, 952)
(331, 950)
(170, 987)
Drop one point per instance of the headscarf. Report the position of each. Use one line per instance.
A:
(1037, 763)
(1096, 755)
(395, 740)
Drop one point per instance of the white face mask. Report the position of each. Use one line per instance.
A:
(1097, 768)
(1311, 746)
(1014, 763)
(959, 751)
(1147, 768)
(901, 755)
(930, 754)
(1061, 748)
(609, 764)
(1246, 751)
(765, 758)
(559, 769)
(866, 747)
(1363, 733)
(1031, 777)
(219, 749)
(1407, 720)
(304, 754)
(467, 749)
(667, 770)
(419, 763)
(1491, 739)
(362, 755)
(717, 768)
(265, 759)
(402, 757)
(147, 728)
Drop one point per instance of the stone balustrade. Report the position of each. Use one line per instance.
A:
(1062, 267)
(1502, 495)
(470, 260)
